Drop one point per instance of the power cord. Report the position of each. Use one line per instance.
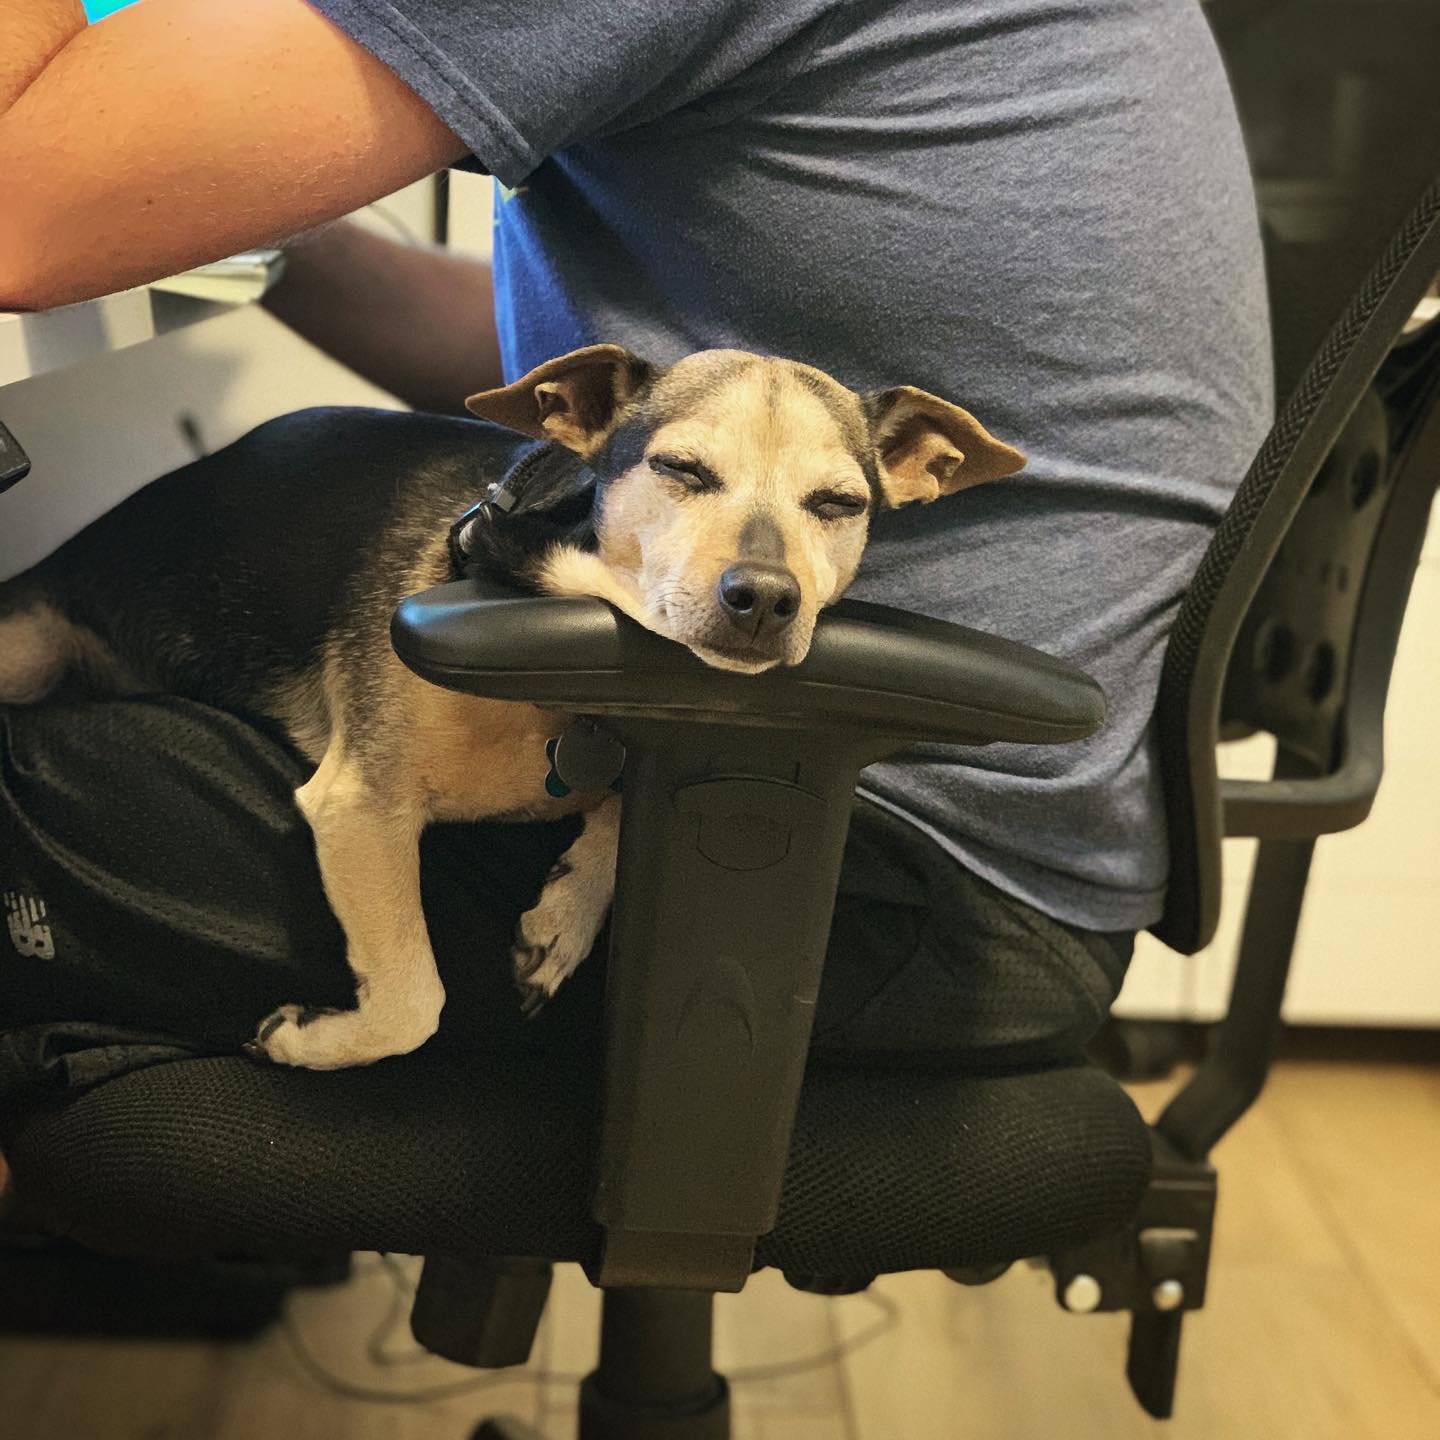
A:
(887, 1318)
(379, 1353)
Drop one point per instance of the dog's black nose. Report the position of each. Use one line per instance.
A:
(761, 600)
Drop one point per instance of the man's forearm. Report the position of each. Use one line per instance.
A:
(31, 32)
(416, 321)
(178, 131)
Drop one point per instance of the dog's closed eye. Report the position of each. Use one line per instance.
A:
(694, 475)
(836, 504)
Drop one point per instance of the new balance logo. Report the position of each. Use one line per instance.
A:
(25, 921)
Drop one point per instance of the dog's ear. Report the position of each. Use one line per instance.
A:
(928, 448)
(573, 399)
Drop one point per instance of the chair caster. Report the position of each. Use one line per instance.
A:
(504, 1429)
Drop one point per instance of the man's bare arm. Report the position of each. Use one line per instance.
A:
(179, 131)
(416, 321)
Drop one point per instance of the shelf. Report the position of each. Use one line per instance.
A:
(36, 343)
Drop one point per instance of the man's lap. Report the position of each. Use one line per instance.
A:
(158, 882)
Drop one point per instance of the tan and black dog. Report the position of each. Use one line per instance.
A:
(724, 501)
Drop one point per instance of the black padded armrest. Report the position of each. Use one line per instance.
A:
(870, 669)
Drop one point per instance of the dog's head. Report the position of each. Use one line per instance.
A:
(735, 492)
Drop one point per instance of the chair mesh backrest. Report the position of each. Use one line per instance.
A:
(1240, 556)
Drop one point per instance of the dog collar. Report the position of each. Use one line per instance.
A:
(498, 500)
(582, 757)
(508, 495)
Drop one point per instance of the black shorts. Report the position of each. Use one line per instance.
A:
(160, 895)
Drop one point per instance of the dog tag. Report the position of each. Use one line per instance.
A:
(583, 757)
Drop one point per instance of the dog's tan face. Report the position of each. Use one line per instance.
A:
(736, 492)
(738, 500)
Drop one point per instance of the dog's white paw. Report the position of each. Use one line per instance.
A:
(560, 929)
(551, 941)
(311, 1039)
(542, 966)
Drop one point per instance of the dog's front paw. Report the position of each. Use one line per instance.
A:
(279, 1036)
(316, 1039)
(559, 930)
(542, 966)
(539, 969)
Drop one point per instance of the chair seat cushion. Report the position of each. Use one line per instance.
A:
(448, 1152)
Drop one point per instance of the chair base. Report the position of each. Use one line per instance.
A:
(702, 1417)
(655, 1380)
(603, 1418)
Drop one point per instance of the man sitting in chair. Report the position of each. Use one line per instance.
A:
(1044, 215)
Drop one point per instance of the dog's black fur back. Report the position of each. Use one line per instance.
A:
(233, 571)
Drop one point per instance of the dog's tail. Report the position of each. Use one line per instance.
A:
(37, 643)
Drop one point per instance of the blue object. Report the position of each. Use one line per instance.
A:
(554, 785)
(99, 9)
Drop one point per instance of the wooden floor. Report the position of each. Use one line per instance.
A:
(1323, 1323)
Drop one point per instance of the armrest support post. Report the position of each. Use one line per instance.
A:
(730, 853)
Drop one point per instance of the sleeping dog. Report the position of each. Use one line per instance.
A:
(721, 502)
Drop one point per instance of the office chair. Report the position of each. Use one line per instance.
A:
(712, 1148)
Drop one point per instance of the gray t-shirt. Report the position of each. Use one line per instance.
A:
(1041, 211)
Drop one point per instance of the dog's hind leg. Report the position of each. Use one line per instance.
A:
(368, 846)
(37, 645)
(559, 930)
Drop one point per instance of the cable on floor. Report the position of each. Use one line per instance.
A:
(379, 1354)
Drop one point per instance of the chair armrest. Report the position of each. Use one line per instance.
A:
(871, 670)
(737, 799)
(1300, 809)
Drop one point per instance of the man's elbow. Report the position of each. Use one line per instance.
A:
(41, 266)
(18, 292)
(26, 281)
